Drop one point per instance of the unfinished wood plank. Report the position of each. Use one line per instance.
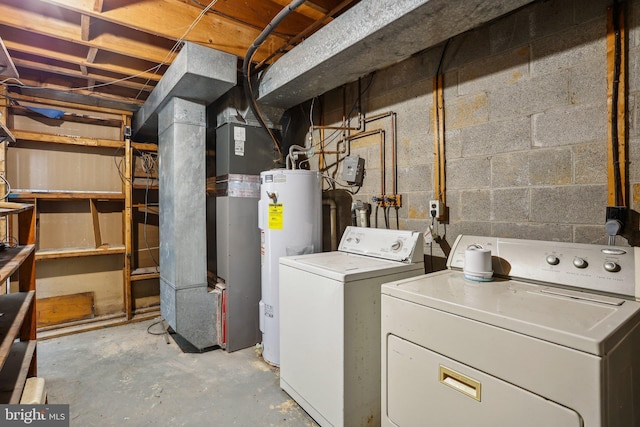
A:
(20, 110)
(8, 208)
(85, 28)
(70, 31)
(66, 72)
(12, 258)
(63, 104)
(65, 139)
(96, 223)
(79, 252)
(64, 195)
(145, 146)
(16, 369)
(15, 307)
(438, 125)
(6, 134)
(616, 135)
(127, 228)
(101, 322)
(167, 19)
(65, 308)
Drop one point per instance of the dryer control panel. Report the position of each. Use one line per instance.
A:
(600, 268)
(395, 245)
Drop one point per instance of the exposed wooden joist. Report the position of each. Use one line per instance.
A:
(102, 95)
(84, 70)
(79, 61)
(19, 110)
(323, 20)
(78, 74)
(308, 9)
(63, 104)
(14, 16)
(170, 19)
(98, 5)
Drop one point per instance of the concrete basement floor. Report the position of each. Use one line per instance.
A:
(125, 376)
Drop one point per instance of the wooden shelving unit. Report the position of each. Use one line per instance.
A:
(132, 273)
(18, 321)
(83, 236)
(100, 248)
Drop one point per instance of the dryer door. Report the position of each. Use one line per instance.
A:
(425, 388)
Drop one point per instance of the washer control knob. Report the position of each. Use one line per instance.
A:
(396, 246)
(611, 266)
(580, 263)
(553, 260)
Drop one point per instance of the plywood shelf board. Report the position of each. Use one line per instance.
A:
(9, 208)
(141, 146)
(144, 276)
(15, 308)
(5, 133)
(64, 195)
(23, 135)
(78, 252)
(15, 371)
(12, 258)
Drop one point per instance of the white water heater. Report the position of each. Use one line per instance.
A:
(290, 222)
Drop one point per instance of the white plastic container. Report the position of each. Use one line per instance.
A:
(290, 222)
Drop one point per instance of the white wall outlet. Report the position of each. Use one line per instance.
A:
(436, 209)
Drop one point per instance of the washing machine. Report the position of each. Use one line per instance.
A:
(330, 322)
(552, 340)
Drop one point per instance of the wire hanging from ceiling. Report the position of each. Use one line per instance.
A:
(176, 46)
(246, 69)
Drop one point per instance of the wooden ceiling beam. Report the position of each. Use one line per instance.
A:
(170, 19)
(314, 12)
(102, 95)
(13, 16)
(17, 46)
(78, 74)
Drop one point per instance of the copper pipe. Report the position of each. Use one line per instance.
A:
(381, 132)
(394, 165)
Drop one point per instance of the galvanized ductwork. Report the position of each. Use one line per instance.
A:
(197, 77)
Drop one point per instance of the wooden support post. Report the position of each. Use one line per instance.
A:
(126, 229)
(616, 107)
(439, 189)
(96, 223)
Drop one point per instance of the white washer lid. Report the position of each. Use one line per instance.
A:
(346, 267)
(583, 321)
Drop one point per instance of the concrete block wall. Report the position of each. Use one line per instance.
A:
(526, 125)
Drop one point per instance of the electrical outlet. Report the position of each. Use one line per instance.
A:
(436, 209)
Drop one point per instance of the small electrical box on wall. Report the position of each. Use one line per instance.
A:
(353, 170)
